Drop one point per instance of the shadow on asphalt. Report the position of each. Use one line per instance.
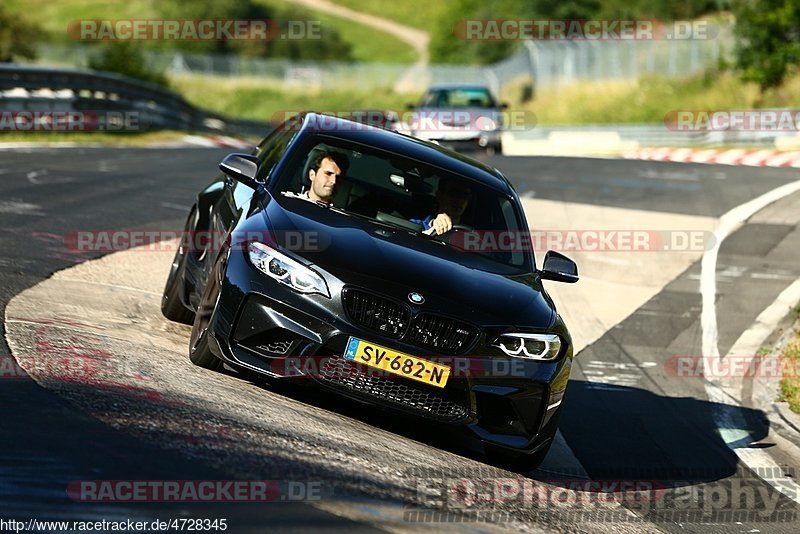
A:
(626, 433)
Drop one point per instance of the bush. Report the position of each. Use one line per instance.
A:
(17, 37)
(125, 57)
(768, 40)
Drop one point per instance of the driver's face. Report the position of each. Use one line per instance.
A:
(324, 180)
(453, 199)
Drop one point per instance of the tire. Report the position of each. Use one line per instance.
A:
(199, 351)
(171, 304)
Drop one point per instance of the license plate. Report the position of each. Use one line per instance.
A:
(397, 363)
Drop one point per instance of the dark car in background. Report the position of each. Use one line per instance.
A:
(354, 297)
(461, 116)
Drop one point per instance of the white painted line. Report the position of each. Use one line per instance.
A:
(179, 207)
(727, 417)
(755, 459)
(728, 223)
(18, 207)
(753, 338)
(772, 276)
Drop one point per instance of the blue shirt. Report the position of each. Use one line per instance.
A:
(426, 223)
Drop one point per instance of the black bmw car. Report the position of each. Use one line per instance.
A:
(349, 282)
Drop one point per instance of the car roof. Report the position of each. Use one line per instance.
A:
(390, 141)
(461, 85)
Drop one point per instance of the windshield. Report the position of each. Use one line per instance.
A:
(389, 189)
(475, 97)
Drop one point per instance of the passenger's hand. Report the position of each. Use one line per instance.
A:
(441, 224)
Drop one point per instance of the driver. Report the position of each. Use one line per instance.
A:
(452, 198)
(325, 174)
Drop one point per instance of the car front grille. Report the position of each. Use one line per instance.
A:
(391, 318)
(437, 403)
(441, 333)
(377, 313)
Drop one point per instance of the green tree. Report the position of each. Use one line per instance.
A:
(329, 46)
(768, 40)
(125, 57)
(17, 37)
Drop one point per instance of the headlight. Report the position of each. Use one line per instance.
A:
(529, 346)
(487, 124)
(286, 270)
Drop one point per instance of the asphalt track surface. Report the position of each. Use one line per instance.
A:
(625, 419)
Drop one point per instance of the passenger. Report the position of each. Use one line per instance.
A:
(452, 198)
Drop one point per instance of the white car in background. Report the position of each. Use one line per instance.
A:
(460, 116)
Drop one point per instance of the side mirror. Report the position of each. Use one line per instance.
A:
(242, 168)
(559, 268)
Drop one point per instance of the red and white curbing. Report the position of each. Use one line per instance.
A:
(218, 141)
(751, 158)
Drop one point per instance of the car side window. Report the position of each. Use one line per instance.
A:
(271, 149)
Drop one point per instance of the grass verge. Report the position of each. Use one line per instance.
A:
(89, 138)
(420, 14)
(790, 363)
(649, 99)
(255, 99)
(367, 43)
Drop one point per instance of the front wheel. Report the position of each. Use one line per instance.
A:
(199, 352)
(171, 304)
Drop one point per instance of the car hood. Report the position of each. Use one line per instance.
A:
(396, 262)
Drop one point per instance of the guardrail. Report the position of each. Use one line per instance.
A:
(606, 138)
(32, 88)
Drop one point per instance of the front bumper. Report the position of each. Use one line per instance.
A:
(266, 327)
(471, 139)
